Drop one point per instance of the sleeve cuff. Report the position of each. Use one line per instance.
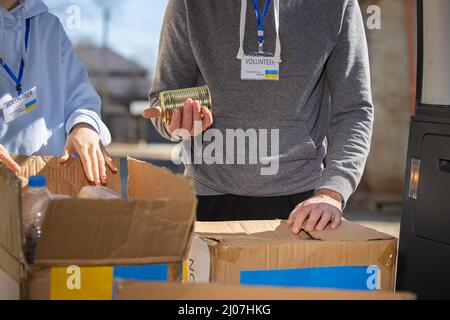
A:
(93, 121)
(337, 182)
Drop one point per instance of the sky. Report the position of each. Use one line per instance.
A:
(134, 28)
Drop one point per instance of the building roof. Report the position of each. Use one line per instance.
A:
(97, 57)
(125, 81)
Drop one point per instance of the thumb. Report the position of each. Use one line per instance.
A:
(65, 157)
(152, 113)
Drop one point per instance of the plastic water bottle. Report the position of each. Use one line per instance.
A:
(34, 203)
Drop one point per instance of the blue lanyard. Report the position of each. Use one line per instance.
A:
(18, 79)
(260, 17)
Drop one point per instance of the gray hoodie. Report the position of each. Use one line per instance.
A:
(322, 104)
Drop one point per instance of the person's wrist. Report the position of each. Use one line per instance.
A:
(82, 125)
(331, 194)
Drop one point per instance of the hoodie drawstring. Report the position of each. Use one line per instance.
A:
(2, 37)
(23, 48)
(23, 43)
(21, 26)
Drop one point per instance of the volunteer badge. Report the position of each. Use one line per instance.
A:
(259, 68)
(20, 105)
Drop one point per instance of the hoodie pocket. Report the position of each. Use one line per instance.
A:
(295, 142)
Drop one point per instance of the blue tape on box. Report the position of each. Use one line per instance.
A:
(347, 277)
(142, 273)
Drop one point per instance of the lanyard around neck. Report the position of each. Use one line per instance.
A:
(260, 18)
(241, 52)
(18, 79)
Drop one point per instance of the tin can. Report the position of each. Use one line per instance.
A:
(174, 99)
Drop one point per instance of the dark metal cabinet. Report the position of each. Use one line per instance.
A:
(424, 253)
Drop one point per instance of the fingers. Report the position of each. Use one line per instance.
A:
(293, 215)
(94, 165)
(314, 218)
(94, 162)
(94, 158)
(197, 111)
(187, 116)
(336, 221)
(6, 158)
(66, 156)
(152, 113)
(101, 166)
(324, 221)
(175, 123)
(318, 217)
(109, 161)
(207, 118)
(93, 155)
(197, 117)
(85, 159)
(68, 150)
(299, 215)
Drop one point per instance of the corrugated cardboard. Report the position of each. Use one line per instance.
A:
(65, 179)
(173, 291)
(146, 228)
(153, 226)
(11, 257)
(116, 232)
(270, 245)
(9, 288)
(41, 286)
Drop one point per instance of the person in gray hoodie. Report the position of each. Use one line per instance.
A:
(308, 84)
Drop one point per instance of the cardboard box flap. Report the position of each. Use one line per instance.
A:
(146, 181)
(115, 232)
(11, 257)
(278, 230)
(11, 265)
(129, 290)
(65, 179)
(264, 230)
(349, 231)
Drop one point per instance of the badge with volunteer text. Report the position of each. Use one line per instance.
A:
(260, 65)
(20, 105)
(260, 68)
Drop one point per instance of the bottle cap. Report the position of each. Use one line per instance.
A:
(37, 182)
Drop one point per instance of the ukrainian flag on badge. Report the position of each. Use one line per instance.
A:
(30, 105)
(272, 75)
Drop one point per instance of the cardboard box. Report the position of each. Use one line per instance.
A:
(174, 291)
(11, 258)
(9, 288)
(268, 253)
(86, 243)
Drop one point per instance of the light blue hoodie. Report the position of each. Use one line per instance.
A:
(65, 96)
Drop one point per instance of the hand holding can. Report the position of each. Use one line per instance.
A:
(182, 109)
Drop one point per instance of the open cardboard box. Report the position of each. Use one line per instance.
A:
(268, 253)
(153, 226)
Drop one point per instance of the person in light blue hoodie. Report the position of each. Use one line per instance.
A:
(47, 104)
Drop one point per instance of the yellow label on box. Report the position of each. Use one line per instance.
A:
(86, 283)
